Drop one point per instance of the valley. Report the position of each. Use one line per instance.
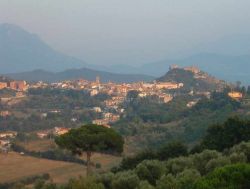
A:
(179, 106)
(124, 94)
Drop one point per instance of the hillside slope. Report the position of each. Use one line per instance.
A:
(23, 51)
(197, 80)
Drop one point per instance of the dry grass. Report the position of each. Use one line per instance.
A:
(15, 167)
(106, 161)
(38, 145)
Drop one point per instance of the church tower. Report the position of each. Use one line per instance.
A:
(97, 80)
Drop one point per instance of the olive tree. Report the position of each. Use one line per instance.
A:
(150, 170)
(125, 180)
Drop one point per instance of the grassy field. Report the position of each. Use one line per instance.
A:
(38, 145)
(14, 167)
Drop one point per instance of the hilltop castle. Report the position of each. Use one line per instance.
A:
(192, 69)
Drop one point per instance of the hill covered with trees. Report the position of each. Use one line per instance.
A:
(193, 78)
(148, 123)
(182, 169)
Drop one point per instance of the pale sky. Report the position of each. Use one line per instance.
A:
(128, 31)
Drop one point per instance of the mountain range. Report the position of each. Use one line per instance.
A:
(230, 68)
(82, 73)
(24, 55)
(28, 56)
(23, 51)
(225, 67)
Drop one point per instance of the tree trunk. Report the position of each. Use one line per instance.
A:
(89, 170)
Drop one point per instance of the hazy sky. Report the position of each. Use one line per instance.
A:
(127, 31)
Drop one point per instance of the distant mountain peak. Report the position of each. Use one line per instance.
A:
(11, 29)
(9, 26)
(22, 51)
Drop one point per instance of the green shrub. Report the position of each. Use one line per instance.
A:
(84, 183)
(167, 182)
(171, 150)
(215, 163)
(229, 177)
(238, 158)
(187, 178)
(150, 170)
(125, 180)
(222, 136)
(200, 160)
(243, 147)
(98, 166)
(145, 185)
(106, 179)
(177, 165)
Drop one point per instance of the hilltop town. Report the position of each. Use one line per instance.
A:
(111, 109)
(180, 103)
(124, 94)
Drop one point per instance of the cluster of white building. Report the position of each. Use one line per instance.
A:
(118, 93)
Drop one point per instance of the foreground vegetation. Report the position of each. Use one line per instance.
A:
(205, 170)
(222, 165)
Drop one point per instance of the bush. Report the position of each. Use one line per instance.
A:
(84, 183)
(177, 165)
(238, 158)
(106, 179)
(170, 150)
(131, 162)
(98, 166)
(223, 136)
(218, 162)
(39, 184)
(25, 181)
(145, 185)
(200, 160)
(150, 170)
(125, 180)
(228, 177)
(187, 178)
(243, 147)
(173, 149)
(167, 182)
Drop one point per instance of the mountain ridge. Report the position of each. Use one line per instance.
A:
(22, 51)
(25, 51)
(225, 67)
(70, 74)
(23, 55)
